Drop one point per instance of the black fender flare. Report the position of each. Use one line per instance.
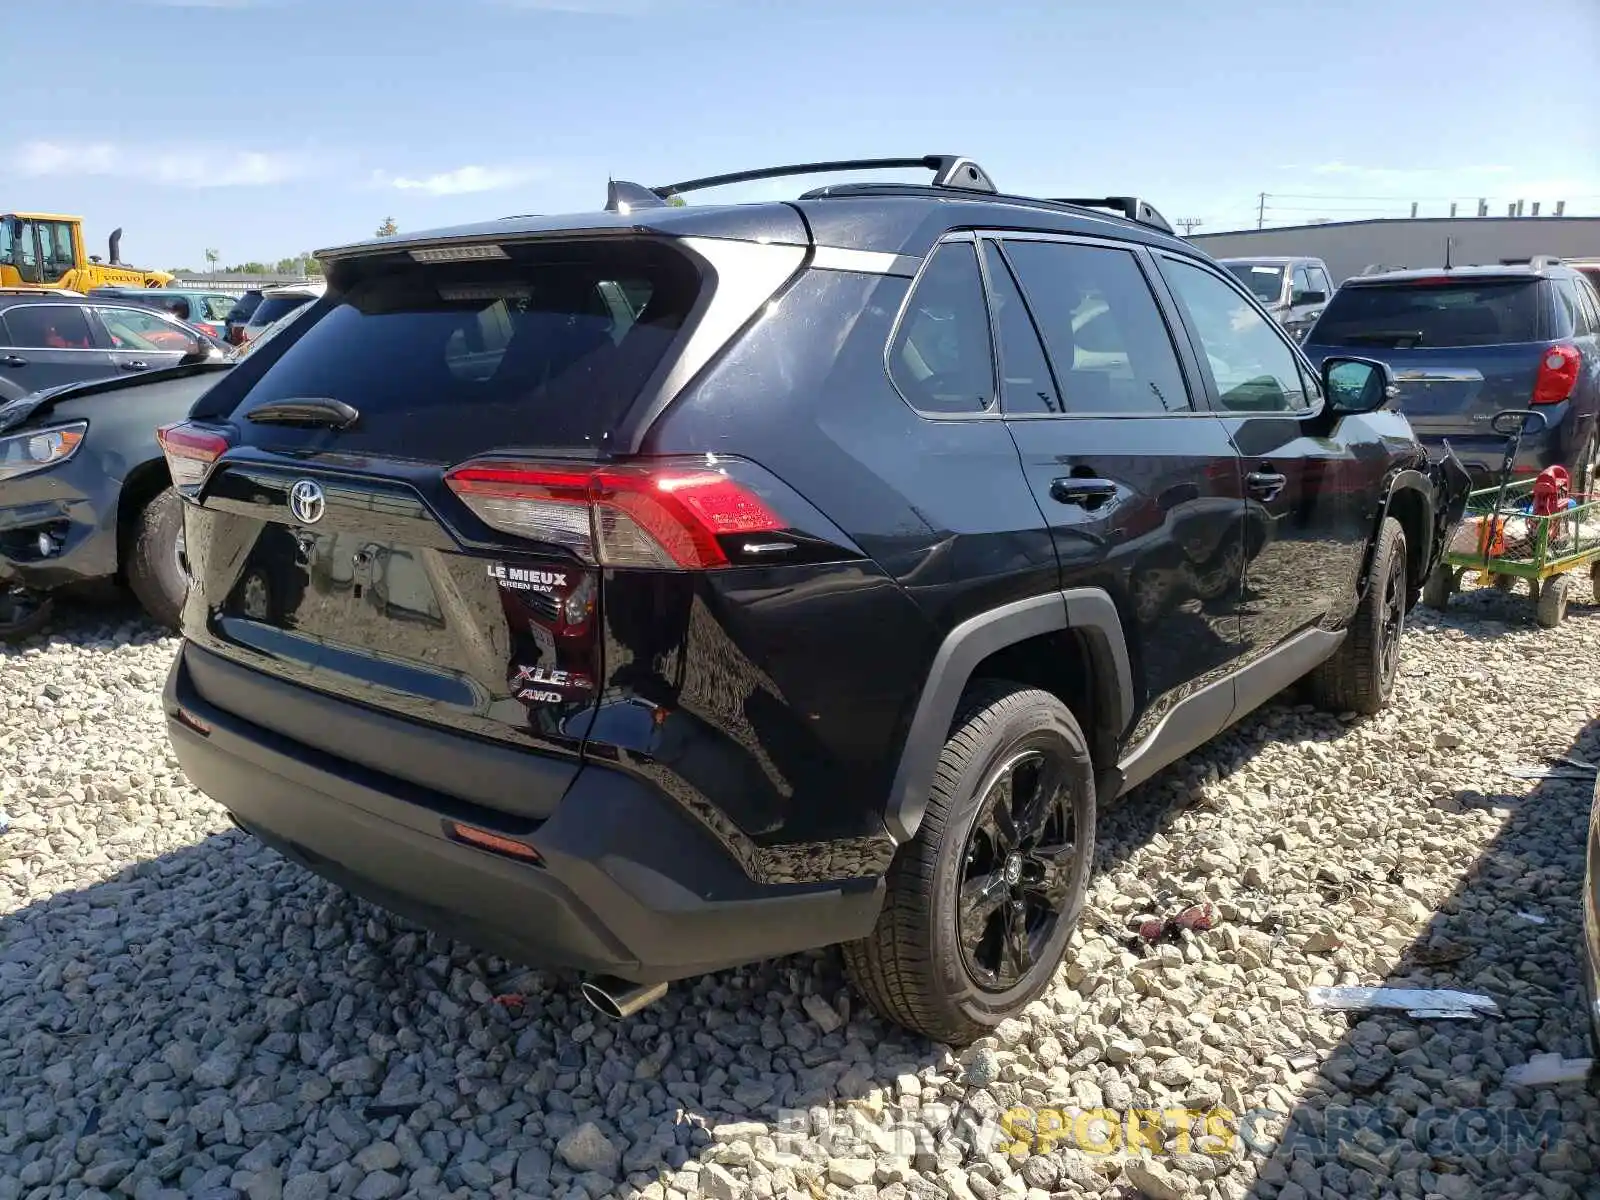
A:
(1089, 611)
(1413, 480)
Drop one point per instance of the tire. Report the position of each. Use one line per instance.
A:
(1440, 587)
(1586, 470)
(154, 571)
(1552, 607)
(1594, 579)
(1504, 583)
(915, 968)
(23, 613)
(1360, 676)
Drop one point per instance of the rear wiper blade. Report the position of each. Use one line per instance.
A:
(1384, 336)
(305, 410)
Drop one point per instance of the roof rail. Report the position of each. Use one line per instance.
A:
(949, 171)
(1131, 207)
(1540, 261)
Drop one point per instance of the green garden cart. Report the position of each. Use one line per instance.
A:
(1528, 530)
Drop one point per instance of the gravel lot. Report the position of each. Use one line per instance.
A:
(183, 1013)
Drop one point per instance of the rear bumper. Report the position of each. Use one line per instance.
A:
(628, 885)
(1482, 454)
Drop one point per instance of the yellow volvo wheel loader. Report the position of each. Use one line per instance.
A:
(44, 250)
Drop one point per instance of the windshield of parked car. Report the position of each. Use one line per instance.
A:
(1426, 313)
(1265, 282)
(273, 307)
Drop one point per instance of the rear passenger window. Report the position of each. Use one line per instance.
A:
(1026, 385)
(1573, 319)
(942, 359)
(47, 326)
(1104, 333)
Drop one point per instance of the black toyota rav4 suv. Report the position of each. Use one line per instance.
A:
(655, 590)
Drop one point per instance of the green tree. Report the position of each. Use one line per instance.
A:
(388, 228)
(211, 259)
(677, 202)
(181, 271)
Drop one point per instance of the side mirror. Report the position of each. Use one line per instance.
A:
(1309, 298)
(199, 351)
(1357, 385)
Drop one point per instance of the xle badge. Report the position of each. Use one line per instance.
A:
(527, 579)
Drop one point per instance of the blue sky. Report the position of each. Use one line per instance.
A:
(267, 127)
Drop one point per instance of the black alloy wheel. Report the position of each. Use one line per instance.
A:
(1020, 870)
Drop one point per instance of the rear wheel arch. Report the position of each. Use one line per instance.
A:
(1069, 643)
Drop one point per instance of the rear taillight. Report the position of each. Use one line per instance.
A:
(617, 516)
(190, 451)
(1558, 374)
(206, 328)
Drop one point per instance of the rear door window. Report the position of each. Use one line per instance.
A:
(1102, 328)
(447, 361)
(216, 308)
(1425, 315)
(47, 326)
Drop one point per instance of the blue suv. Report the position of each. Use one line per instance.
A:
(1467, 342)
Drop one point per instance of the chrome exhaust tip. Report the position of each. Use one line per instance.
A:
(617, 998)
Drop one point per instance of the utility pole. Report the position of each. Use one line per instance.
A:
(1261, 212)
(1190, 224)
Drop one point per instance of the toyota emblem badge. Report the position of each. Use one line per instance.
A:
(307, 502)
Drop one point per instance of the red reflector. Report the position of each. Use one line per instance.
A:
(1558, 374)
(190, 452)
(485, 840)
(617, 516)
(185, 717)
(207, 329)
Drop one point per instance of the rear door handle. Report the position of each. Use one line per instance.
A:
(137, 364)
(13, 360)
(1085, 493)
(1264, 485)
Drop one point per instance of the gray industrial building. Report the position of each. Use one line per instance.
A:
(1348, 247)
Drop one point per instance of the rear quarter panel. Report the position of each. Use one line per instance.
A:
(826, 665)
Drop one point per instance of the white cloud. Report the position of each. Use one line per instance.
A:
(463, 180)
(154, 164)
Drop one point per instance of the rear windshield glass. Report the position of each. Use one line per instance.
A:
(273, 307)
(1427, 314)
(244, 306)
(451, 360)
(1265, 282)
